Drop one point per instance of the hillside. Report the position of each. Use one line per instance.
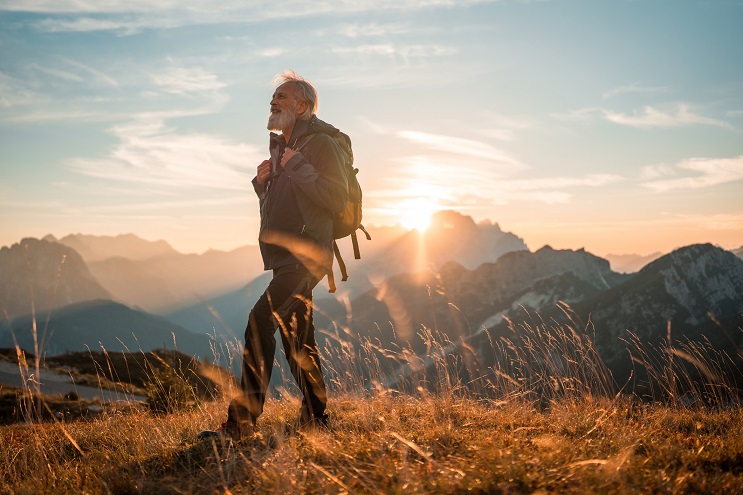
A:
(101, 324)
(459, 302)
(44, 276)
(484, 436)
(696, 290)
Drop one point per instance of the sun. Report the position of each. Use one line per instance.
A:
(415, 213)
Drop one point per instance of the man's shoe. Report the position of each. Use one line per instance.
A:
(228, 430)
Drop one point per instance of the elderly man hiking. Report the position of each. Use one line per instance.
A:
(301, 188)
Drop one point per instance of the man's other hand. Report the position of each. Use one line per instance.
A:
(288, 154)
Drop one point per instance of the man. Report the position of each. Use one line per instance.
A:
(301, 188)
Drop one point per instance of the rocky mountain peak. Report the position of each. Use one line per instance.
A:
(46, 273)
(701, 278)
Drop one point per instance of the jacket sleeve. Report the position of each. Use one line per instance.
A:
(258, 188)
(325, 180)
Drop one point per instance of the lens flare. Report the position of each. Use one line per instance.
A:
(415, 214)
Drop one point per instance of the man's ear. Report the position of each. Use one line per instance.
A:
(302, 107)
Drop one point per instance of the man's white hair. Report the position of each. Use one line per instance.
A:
(305, 91)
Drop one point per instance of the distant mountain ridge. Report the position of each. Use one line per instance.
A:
(101, 324)
(407, 283)
(698, 289)
(452, 237)
(155, 277)
(631, 263)
(171, 281)
(46, 274)
(100, 247)
(461, 302)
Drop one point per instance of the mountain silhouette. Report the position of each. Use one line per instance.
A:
(101, 324)
(100, 247)
(459, 302)
(155, 277)
(41, 276)
(452, 237)
(694, 293)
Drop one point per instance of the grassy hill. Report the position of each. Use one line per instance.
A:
(544, 422)
(389, 444)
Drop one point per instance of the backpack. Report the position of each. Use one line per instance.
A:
(349, 220)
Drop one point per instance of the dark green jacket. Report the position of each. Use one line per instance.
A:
(299, 201)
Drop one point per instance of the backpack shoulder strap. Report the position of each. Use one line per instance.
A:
(301, 143)
(341, 265)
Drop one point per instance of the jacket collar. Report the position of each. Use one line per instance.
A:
(301, 128)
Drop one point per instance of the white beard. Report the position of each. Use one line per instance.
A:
(281, 120)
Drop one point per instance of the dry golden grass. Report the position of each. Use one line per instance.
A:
(387, 443)
(543, 417)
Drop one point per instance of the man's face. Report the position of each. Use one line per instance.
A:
(284, 108)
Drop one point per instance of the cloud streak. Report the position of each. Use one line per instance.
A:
(149, 153)
(460, 147)
(649, 117)
(653, 117)
(709, 172)
(633, 89)
(132, 16)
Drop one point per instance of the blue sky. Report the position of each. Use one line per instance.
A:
(611, 125)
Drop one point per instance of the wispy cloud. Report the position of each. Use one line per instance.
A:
(94, 72)
(647, 118)
(461, 147)
(708, 172)
(461, 173)
(653, 172)
(132, 16)
(58, 73)
(13, 92)
(180, 80)
(125, 25)
(83, 93)
(203, 6)
(653, 117)
(395, 50)
(503, 128)
(633, 89)
(549, 190)
(578, 115)
(150, 153)
(372, 29)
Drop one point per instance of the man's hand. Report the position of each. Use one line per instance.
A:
(288, 154)
(264, 172)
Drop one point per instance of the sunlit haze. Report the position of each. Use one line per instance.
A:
(614, 126)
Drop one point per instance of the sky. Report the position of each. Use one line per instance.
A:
(614, 126)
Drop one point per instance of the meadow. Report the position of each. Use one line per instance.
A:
(543, 416)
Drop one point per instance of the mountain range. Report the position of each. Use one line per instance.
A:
(100, 325)
(461, 280)
(155, 277)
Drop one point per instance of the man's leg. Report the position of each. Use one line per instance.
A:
(298, 337)
(260, 344)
